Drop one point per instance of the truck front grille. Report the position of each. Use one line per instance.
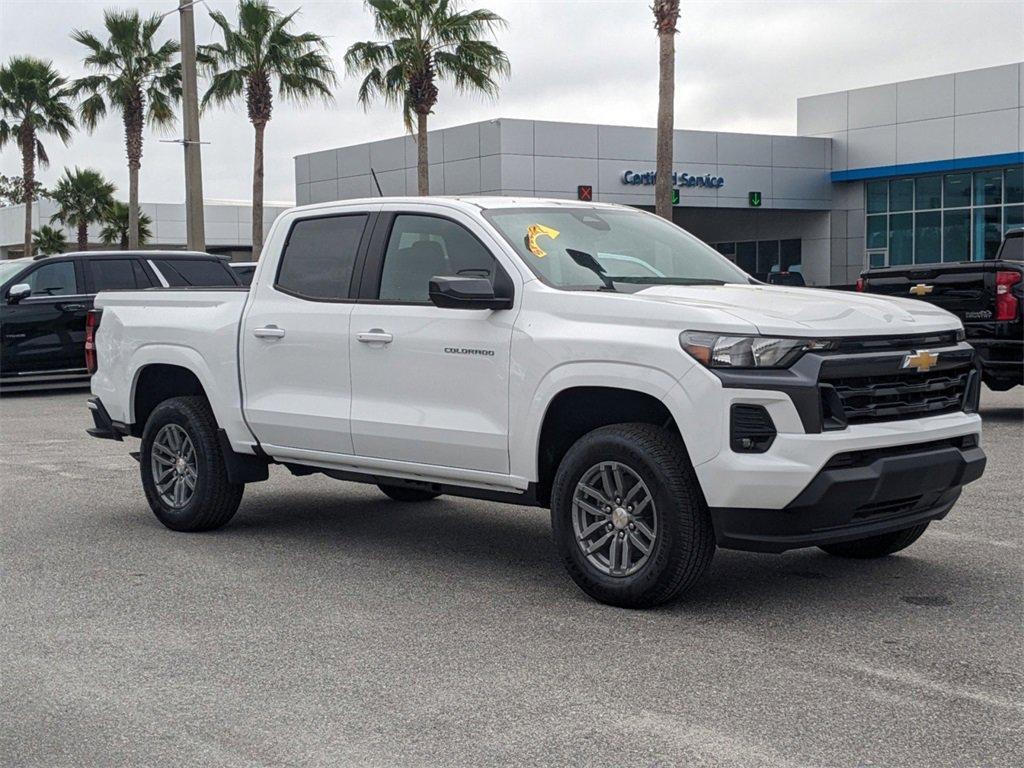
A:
(867, 399)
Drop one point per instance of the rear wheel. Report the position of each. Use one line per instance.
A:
(403, 493)
(183, 471)
(877, 546)
(628, 516)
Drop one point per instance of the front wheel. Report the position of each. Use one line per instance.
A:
(628, 517)
(877, 546)
(183, 471)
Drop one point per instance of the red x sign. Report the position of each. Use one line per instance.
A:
(585, 192)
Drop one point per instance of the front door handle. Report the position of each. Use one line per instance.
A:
(375, 336)
(71, 307)
(268, 332)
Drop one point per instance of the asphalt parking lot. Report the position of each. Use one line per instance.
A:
(328, 625)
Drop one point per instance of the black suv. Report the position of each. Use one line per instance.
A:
(44, 302)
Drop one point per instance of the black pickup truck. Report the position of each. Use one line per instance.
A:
(986, 295)
(44, 301)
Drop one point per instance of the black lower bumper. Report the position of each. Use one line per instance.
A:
(1002, 360)
(105, 428)
(857, 495)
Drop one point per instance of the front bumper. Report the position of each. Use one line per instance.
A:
(859, 494)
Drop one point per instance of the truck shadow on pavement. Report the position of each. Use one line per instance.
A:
(498, 548)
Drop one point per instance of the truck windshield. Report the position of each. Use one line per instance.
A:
(597, 249)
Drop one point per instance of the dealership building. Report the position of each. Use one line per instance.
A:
(912, 172)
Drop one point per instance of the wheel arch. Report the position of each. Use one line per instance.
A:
(570, 403)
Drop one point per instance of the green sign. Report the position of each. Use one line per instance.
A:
(675, 197)
(754, 198)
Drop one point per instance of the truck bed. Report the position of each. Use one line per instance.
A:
(196, 328)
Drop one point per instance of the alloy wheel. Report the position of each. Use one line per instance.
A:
(614, 519)
(174, 467)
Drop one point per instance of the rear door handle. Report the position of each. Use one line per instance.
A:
(268, 332)
(71, 307)
(375, 336)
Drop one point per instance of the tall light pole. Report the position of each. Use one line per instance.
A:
(195, 229)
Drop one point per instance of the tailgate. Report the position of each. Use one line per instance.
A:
(967, 290)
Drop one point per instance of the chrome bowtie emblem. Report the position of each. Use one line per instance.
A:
(921, 289)
(921, 361)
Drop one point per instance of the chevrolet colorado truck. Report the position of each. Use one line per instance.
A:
(592, 359)
(987, 296)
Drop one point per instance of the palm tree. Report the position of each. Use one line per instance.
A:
(426, 41)
(115, 226)
(83, 198)
(260, 50)
(666, 16)
(33, 102)
(49, 240)
(135, 78)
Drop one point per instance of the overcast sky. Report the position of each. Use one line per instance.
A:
(740, 67)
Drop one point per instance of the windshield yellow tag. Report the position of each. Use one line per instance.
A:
(533, 232)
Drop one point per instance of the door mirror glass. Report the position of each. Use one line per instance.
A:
(19, 292)
(466, 293)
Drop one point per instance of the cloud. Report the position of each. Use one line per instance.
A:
(740, 66)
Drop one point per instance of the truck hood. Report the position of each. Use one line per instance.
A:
(806, 311)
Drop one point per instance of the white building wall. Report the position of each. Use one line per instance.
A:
(957, 116)
(549, 159)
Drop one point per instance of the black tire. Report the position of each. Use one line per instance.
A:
(877, 546)
(685, 541)
(214, 500)
(403, 493)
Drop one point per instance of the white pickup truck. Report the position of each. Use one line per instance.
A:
(589, 358)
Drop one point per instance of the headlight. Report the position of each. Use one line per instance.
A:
(718, 351)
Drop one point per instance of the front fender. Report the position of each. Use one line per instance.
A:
(525, 445)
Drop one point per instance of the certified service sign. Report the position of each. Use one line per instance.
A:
(646, 178)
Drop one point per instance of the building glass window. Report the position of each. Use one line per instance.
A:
(927, 236)
(877, 196)
(876, 230)
(759, 258)
(746, 257)
(969, 212)
(987, 232)
(789, 254)
(1013, 191)
(956, 189)
(901, 195)
(901, 239)
(1013, 217)
(928, 194)
(956, 235)
(988, 188)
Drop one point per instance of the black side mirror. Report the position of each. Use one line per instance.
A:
(469, 293)
(18, 292)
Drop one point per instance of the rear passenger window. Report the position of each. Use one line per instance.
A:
(320, 256)
(209, 273)
(117, 274)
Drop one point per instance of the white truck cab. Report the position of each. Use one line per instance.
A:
(594, 359)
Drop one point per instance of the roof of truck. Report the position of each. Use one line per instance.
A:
(479, 202)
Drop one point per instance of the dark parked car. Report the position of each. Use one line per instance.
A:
(986, 295)
(45, 301)
(786, 278)
(244, 270)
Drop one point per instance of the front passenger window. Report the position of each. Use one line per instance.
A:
(422, 247)
(57, 279)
